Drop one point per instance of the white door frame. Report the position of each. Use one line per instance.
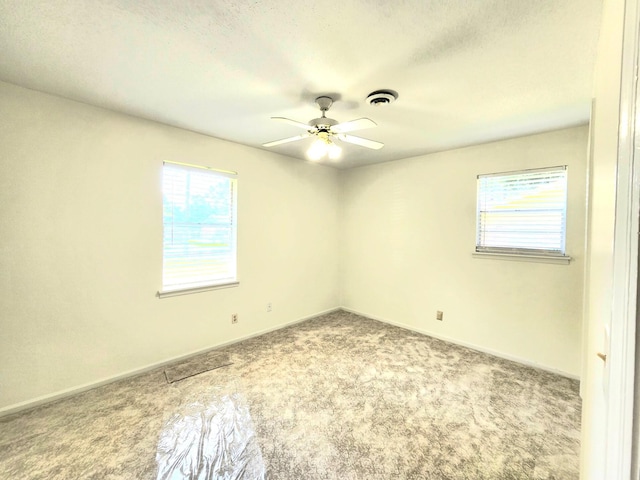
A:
(620, 360)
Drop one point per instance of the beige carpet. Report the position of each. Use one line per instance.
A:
(336, 397)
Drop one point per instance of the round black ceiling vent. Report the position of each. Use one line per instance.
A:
(381, 97)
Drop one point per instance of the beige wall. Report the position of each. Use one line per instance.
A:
(81, 250)
(407, 242)
(81, 245)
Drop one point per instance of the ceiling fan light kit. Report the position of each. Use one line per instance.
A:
(326, 130)
(319, 148)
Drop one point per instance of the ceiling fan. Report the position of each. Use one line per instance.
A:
(326, 130)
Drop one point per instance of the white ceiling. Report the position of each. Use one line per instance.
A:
(467, 71)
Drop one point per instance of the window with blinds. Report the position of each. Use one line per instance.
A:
(523, 212)
(199, 227)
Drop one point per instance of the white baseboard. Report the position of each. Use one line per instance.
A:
(44, 399)
(472, 346)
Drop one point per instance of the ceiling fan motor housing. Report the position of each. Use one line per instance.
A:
(323, 123)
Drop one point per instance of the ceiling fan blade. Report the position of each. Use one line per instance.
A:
(286, 140)
(363, 142)
(353, 125)
(293, 122)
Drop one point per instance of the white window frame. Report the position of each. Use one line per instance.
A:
(189, 285)
(529, 253)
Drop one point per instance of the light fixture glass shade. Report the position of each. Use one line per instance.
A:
(334, 151)
(317, 150)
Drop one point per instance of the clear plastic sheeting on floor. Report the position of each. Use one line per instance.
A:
(210, 437)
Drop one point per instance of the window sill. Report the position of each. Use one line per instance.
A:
(520, 257)
(189, 291)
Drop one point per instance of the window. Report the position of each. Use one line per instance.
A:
(199, 228)
(523, 213)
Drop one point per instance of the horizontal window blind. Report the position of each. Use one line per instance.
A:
(199, 227)
(523, 212)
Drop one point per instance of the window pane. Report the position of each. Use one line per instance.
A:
(522, 211)
(199, 238)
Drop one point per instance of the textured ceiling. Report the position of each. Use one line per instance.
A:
(466, 71)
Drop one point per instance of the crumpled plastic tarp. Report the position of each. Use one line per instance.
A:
(210, 437)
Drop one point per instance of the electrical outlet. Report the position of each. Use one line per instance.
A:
(234, 318)
(269, 307)
(439, 315)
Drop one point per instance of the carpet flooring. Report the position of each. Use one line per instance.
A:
(336, 397)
